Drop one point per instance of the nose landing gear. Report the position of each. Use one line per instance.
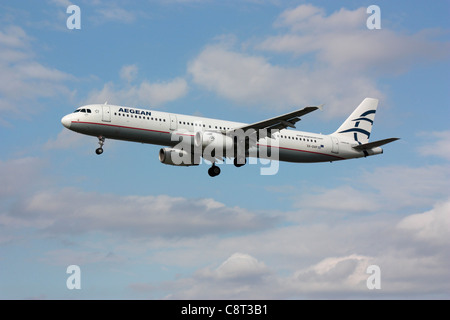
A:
(101, 142)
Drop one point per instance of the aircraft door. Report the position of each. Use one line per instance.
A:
(173, 122)
(334, 145)
(106, 117)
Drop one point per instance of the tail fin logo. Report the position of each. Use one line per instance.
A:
(358, 125)
(356, 129)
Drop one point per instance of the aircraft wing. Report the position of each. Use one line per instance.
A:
(280, 122)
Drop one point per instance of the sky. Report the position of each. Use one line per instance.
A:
(139, 229)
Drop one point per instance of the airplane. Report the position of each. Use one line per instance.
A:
(187, 138)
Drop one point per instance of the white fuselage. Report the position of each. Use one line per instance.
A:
(166, 129)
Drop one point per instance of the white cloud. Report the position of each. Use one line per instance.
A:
(382, 189)
(317, 261)
(333, 274)
(239, 266)
(66, 257)
(22, 78)
(339, 61)
(144, 93)
(252, 80)
(112, 12)
(18, 175)
(128, 72)
(341, 199)
(431, 226)
(240, 276)
(13, 37)
(33, 70)
(61, 3)
(439, 146)
(323, 255)
(399, 187)
(67, 139)
(149, 216)
(316, 257)
(343, 42)
(312, 19)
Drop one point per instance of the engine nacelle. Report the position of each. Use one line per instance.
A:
(212, 140)
(177, 157)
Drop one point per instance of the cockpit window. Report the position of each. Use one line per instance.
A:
(83, 110)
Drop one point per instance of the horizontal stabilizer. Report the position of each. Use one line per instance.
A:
(374, 144)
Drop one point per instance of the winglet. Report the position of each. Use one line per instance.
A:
(317, 107)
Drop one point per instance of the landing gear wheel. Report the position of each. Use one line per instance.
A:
(101, 142)
(214, 171)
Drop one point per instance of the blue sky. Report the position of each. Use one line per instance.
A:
(139, 229)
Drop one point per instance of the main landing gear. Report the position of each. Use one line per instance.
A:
(101, 142)
(214, 170)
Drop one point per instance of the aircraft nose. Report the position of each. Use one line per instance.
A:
(66, 121)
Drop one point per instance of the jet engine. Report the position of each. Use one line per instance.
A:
(178, 157)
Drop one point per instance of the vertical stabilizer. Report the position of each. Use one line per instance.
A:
(359, 124)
